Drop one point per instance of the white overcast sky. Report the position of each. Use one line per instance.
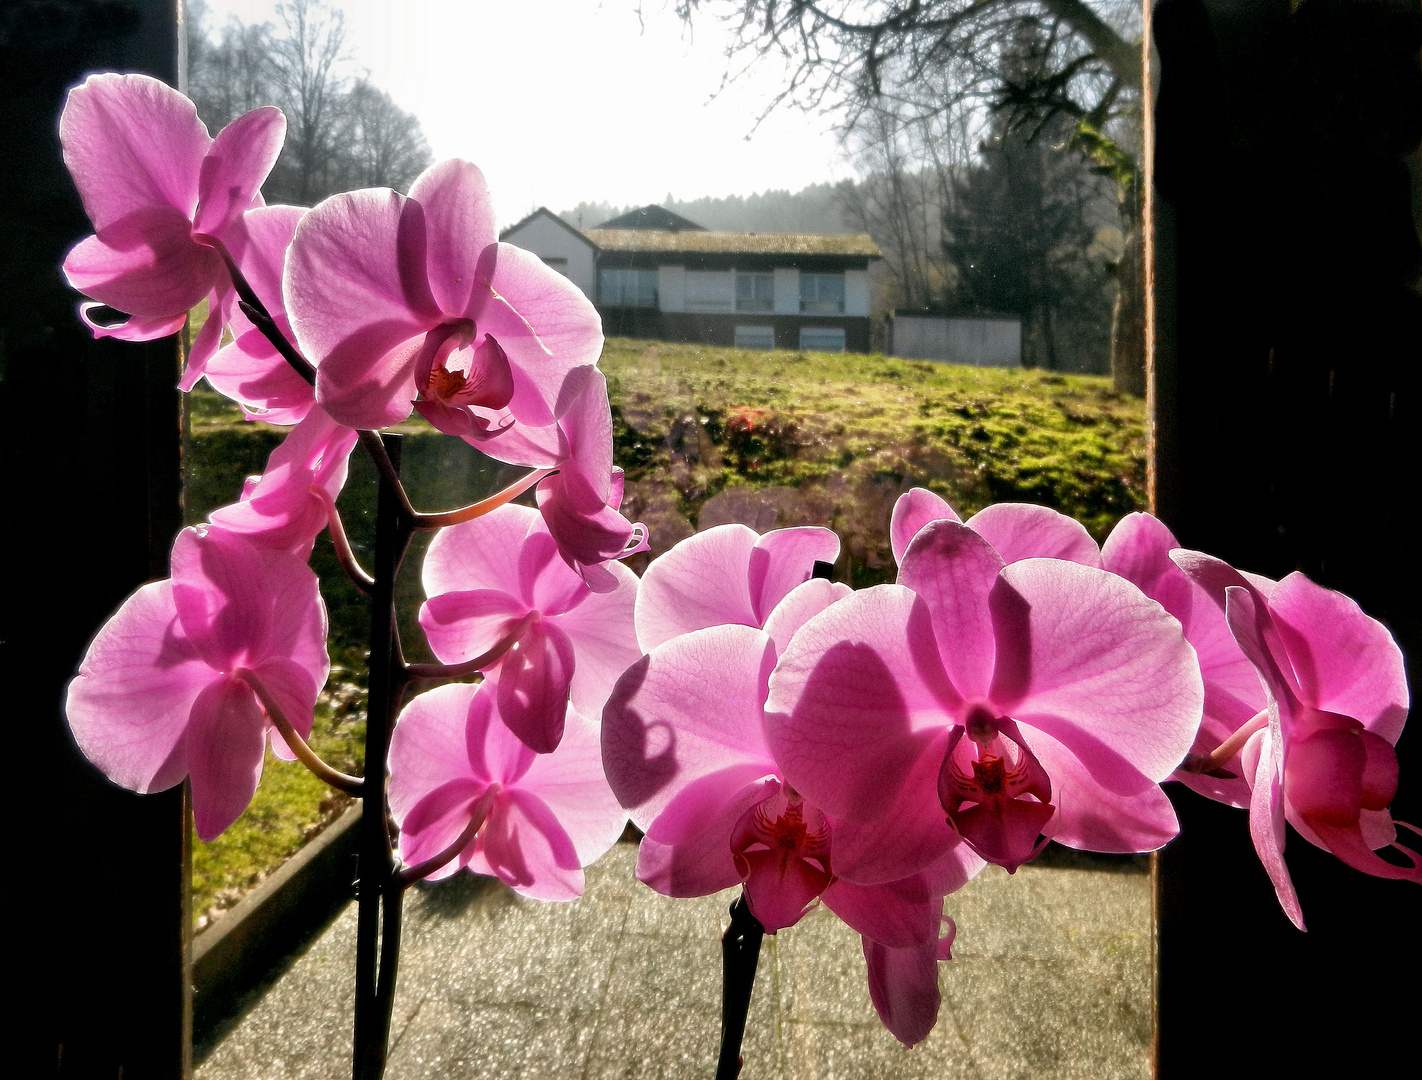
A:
(561, 101)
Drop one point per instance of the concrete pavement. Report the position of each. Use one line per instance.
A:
(1051, 978)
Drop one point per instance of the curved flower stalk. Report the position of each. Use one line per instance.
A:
(499, 579)
(1043, 699)
(1016, 530)
(1320, 755)
(165, 690)
(163, 196)
(249, 369)
(685, 751)
(728, 575)
(545, 816)
(394, 297)
(1138, 550)
(291, 502)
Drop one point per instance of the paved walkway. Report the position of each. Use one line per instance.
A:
(1050, 979)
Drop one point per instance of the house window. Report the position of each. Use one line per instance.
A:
(755, 292)
(710, 290)
(822, 338)
(822, 294)
(628, 288)
(755, 337)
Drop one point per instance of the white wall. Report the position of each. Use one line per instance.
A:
(856, 292)
(671, 288)
(787, 290)
(980, 342)
(550, 239)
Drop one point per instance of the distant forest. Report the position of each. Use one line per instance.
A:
(818, 208)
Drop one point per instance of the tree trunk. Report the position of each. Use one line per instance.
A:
(1128, 352)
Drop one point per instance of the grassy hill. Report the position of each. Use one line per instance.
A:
(706, 435)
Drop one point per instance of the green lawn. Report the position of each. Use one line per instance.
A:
(705, 435)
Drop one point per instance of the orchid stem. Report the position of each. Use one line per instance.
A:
(408, 875)
(483, 506)
(252, 307)
(371, 440)
(478, 663)
(740, 954)
(341, 542)
(378, 917)
(351, 785)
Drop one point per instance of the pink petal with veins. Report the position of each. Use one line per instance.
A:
(690, 708)
(130, 142)
(954, 570)
(526, 847)
(534, 678)
(545, 324)
(459, 213)
(1024, 531)
(913, 510)
(129, 705)
(225, 741)
(146, 263)
(237, 162)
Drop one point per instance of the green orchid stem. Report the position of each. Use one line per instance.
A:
(740, 954)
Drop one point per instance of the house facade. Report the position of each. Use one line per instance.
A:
(654, 274)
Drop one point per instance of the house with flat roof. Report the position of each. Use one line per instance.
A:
(655, 274)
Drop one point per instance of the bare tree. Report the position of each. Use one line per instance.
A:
(925, 57)
(306, 63)
(342, 132)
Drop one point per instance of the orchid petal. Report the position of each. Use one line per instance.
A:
(1263, 757)
(783, 559)
(1086, 657)
(128, 707)
(900, 914)
(225, 741)
(954, 569)
(1024, 531)
(460, 216)
(913, 510)
(544, 323)
(436, 821)
(801, 605)
(129, 142)
(903, 985)
(690, 708)
(145, 263)
(527, 849)
(235, 166)
(687, 848)
(534, 678)
(860, 682)
(429, 747)
(700, 582)
(1345, 662)
(570, 782)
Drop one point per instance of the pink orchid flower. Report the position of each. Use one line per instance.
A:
(728, 575)
(394, 297)
(286, 507)
(1017, 530)
(1042, 699)
(1138, 549)
(499, 577)
(580, 503)
(533, 820)
(685, 751)
(249, 370)
(1320, 755)
(162, 195)
(172, 684)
